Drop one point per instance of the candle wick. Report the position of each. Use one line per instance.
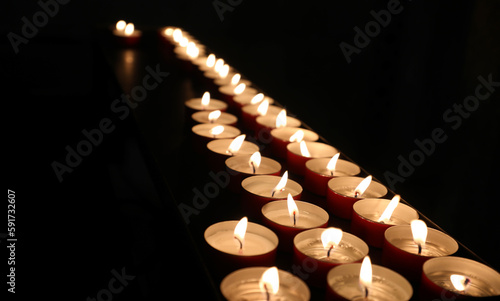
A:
(419, 248)
(268, 296)
(329, 250)
(241, 243)
(294, 219)
(331, 173)
(366, 293)
(253, 167)
(356, 194)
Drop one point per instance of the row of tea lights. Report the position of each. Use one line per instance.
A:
(340, 259)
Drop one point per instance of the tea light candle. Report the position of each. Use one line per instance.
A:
(232, 79)
(215, 117)
(406, 253)
(250, 99)
(205, 103)
(233, 247)
(242, 167)
(326, 250)
(287, 218)
(221, 149)
(387, 285)
(247, 284)
(206, 132)
(259, 190)
(298, 153)
(319, 171)
(268, 122)
(126, 34)
(343, 192)
(283, 136)
(369, 224)
(228, 92)
(249, 113)
(472, 279)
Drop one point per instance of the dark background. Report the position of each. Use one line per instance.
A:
(72, 234)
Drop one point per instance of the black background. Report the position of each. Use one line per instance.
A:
(72, 234)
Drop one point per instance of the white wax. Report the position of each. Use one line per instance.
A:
(241, 165)
(316, 149)
(220, 146)
(252, 110)
(386, 284)
(215, 104)
(203, 129)
(269, 121)
(343, 168)
(372, 209)
(436, 244)
(346, 186)
(284, 134)
(264, 185)
(310, 215)
(225, 118)
(254, 244)
(229, 90)
(121, 33)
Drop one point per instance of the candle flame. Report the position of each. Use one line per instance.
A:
(168, 31)
(332, 163)
(224, 71)
(239, 89)
(218, 65)
(205, 99)
(210, 60)
(460, 282)
(365, 276)
(216, 130)
(184, 42)
(255, 160)
(235, 79)
(214, 115)
(263, 107)
(361, 188)
(281, 184)
(297, 137)
(281, 119)
(129, 29)
(270, 282)
(386, 215)
(120, 25)
(257, 98)
(192, 50)
(240, 231)
(331, 238)
(235, 145)
(293, 210)
(303, 149)
(177, 35)
(419, 232)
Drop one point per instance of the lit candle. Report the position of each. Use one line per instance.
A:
(371, 217)
(205, 103)
(262, 283)
(232, 79)
(228, 92)
(269, 122)
(250, 99)
(343, 192)
(259, 190)
(298, 153)
(327, 249)
(249, 113)
(288, 217)
(126, 33)
(216, 116)
(237, 244)
(407, 247)
(242, 167)
(282, 136)
(458, 278)
(221, 149)
(206, 132)
(364, 281)
(320, 170)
